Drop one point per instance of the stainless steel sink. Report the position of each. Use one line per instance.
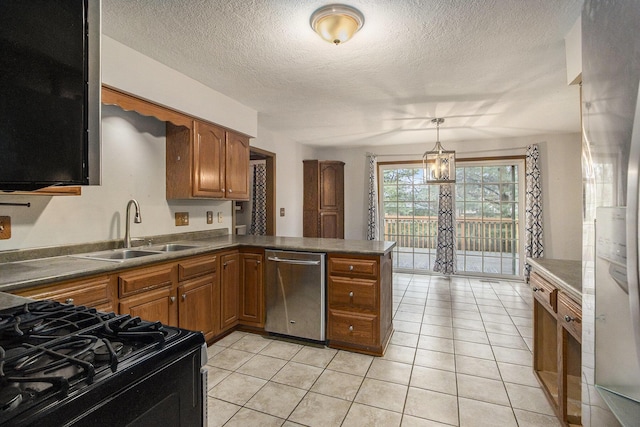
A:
(171, 247)
(118, 255)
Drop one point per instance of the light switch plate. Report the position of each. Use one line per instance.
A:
(281, 211)
(5, 227)
(209, 217)
(219, 216)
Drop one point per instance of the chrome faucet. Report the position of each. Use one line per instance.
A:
(137, 219)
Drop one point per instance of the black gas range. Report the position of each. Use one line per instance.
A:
(62, 364)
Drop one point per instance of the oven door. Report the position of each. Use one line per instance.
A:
(168, 389)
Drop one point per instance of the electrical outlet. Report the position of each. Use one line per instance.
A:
(5, 227)
(209, 217)
(281, 211)
(219, 216)
(182, 218)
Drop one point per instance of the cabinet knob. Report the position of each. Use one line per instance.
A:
(535, 289)
(230, 191)
(258, 262)
(184, 297)
(568, 318)
(224, 265)
(351, 294)
(172, 299)
(68, 301)
(351, 268)
(350, 328)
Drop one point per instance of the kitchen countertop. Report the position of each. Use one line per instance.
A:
(41, 271)
(566, 273)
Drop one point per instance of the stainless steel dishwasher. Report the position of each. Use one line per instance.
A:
(295, 294)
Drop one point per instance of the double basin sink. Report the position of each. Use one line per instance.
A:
(120, 255)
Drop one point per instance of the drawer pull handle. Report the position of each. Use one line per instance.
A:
(351, 268)
(350, 328)
(568, 318)
(535, 289)
(172, 299)
(68, 301)
(351, 294)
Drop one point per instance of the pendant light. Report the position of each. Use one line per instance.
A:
(336, 23)
(439, 164)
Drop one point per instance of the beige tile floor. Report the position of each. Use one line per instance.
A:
(460, 355)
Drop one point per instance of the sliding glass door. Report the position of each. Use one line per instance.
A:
(489, 217)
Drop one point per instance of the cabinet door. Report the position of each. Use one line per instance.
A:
(195, 309)
(208, 160)
(331, 186)
(237, 167)
(252, 289)
(155, 305)
(331, 225)
(229, 284)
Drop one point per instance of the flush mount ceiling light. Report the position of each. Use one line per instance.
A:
(337, 23)
(439, 164)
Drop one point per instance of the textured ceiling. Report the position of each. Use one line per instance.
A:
(492, 68)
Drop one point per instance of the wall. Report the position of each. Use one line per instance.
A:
(289, 157)
(562, 182)
(133, 159)
(135, 73)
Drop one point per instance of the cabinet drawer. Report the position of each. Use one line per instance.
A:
(353, 266)
(352, 293)
(191, 268)
(353, 328)
(145, 279)
(90, 292)
(570, 315)
(544, 292)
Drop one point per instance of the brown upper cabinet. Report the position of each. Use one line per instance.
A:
(323, 209)
(206, 161)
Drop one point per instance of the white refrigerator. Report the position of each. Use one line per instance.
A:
(611, 160)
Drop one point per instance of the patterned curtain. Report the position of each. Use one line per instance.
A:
(533, 246)
(446, 248)
(372, 219)
(259, 200)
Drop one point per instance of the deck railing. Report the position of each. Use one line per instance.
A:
(472, 234)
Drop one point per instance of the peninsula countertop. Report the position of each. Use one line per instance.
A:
(64, 263)
(566, 273)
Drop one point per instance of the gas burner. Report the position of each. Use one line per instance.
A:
(10, 398)
(51, 351)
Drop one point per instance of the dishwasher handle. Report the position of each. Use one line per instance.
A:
(293, 261)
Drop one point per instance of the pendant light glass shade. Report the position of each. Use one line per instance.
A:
(439, 164)
(336, 23)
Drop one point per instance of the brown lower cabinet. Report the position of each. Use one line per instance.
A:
(557, 347)
(216, 292)
(229, 280)
(251, 298)
(359, 301)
